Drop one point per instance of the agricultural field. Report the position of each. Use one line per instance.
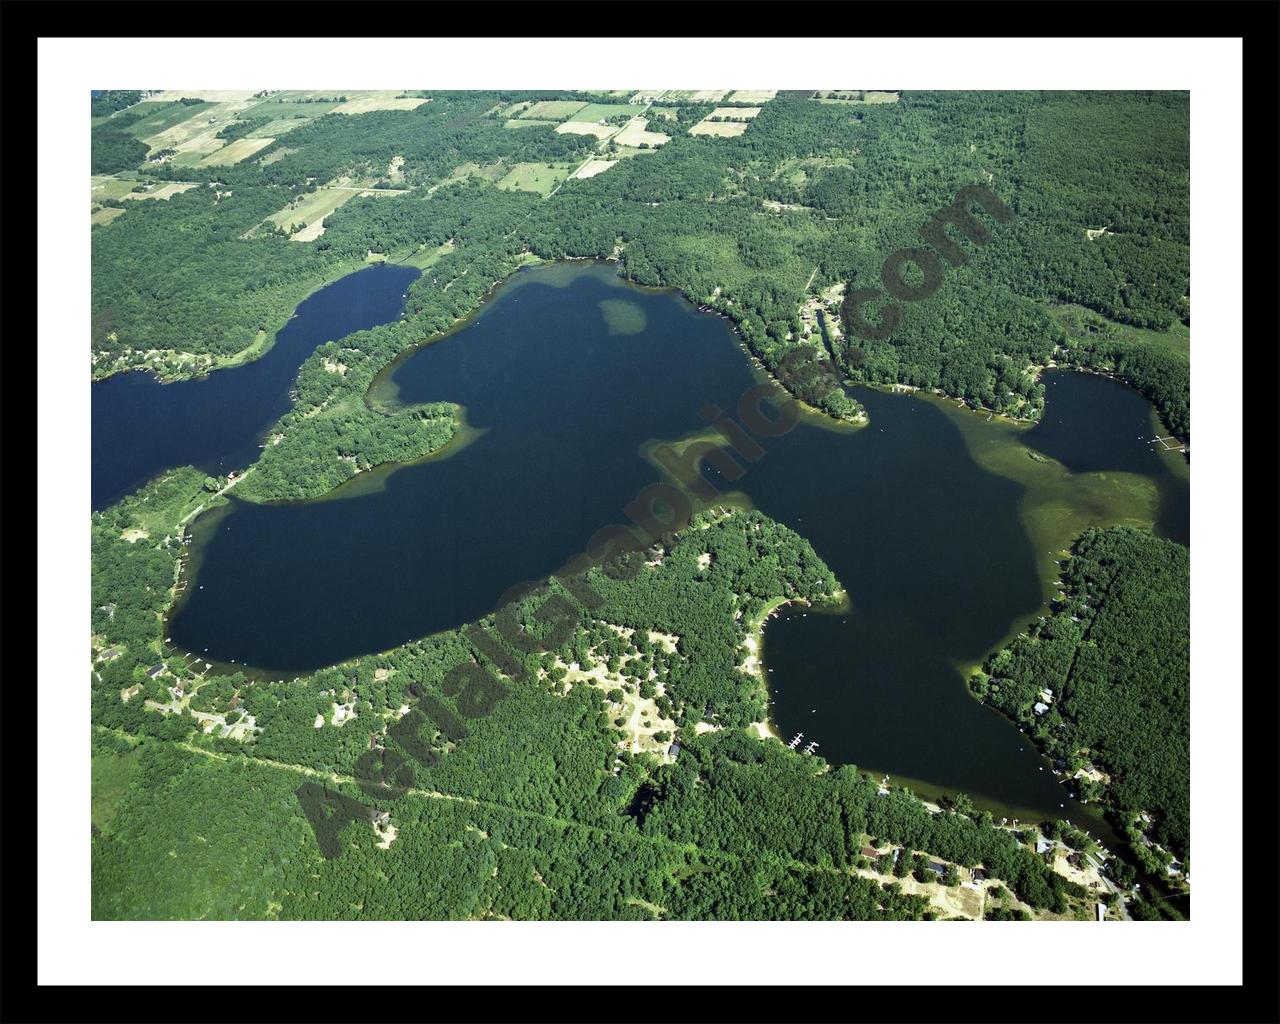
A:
(600, 131)
(719, 129)
(856, 96)
(386, 99)
(165, 191)
(311, 210)
(285, 109)
(734, 113)
(163, 119)
(106, 186)
(593, 167)
(553, 110)
(752, 96)
(463, 172)
(280, 126)
(540, 178)
(696, 95)
(240, 149)
(636, 134)
(105, 215)
(521, 123)
(602, 111)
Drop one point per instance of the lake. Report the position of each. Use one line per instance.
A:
(216, 423)
(944, 529)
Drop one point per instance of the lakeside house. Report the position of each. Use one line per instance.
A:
(154, 671)
(1040, 707)
(1043, 845)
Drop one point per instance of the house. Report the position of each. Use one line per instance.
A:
(1046, 695)
(1101, 909)
(154, 671)
(937, 868)
(673, 751)
(1043, 845)
(870, 852)
(1040, 707)
(979, 875)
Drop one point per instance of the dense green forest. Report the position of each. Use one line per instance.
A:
(574, 824)
(858, 182)
(1116, 655)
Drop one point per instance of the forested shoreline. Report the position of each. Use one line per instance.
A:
(1113, 659)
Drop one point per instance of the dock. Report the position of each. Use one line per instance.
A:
(795, 741)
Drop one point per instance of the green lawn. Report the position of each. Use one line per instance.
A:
(593, 112)
(540, 178)
(1076, 320)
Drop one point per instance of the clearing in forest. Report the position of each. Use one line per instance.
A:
(752, 96)
(381, 99)
(635, 134)
(601, 111)
(552, 110)
(593, 167)
(722, 129)
(310, 210)
(540, 178)
(734, 113)
(239, 150)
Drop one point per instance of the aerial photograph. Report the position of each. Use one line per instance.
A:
(729, 504)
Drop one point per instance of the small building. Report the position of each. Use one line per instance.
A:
(1040, 707)
(673, 751)
(154, 671)
(1043, 845)
(1046, 695)
(870, 852)
(979, 875)
(1101, 909)
(937, 867)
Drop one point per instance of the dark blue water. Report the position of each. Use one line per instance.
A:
(929, 544)
(141, 427)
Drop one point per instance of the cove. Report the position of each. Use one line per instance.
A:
(215, 423)
(942, 527)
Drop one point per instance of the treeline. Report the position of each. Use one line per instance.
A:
(1115, 654)
(108, 101)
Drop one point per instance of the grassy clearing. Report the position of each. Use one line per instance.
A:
(518, 123)
(735, 113)
(110, 772)
(465, 172)
(280, 126)
(670, 113)
(752, 96)
(696, 95)
(105, 216)
(382, 99)
(603, 111)
(636, 134)
(428, 255)
(856, 96)
(239, 150)
(285, 109)
(105, 186)
(165, 191)
(552, 110)
(721, 129)
(593, 167)
(162, 120)
(310, 210)
(1076, 320)
(600, 131)
(540, 178)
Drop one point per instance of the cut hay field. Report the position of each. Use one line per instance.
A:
(552, 110)
(521, 123)
(600, 131)
(735, 113)
(164, 119)
(106, 215)
(696, 95)
(752, 96)
(720, 129)
(540, 178)
(636, 134)
(239, 150)
(280, 126)
(165, 191)
(285, 109)
(593, 167)
(386, 99)
(311, 211)
(104, 186)
(602, 111)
